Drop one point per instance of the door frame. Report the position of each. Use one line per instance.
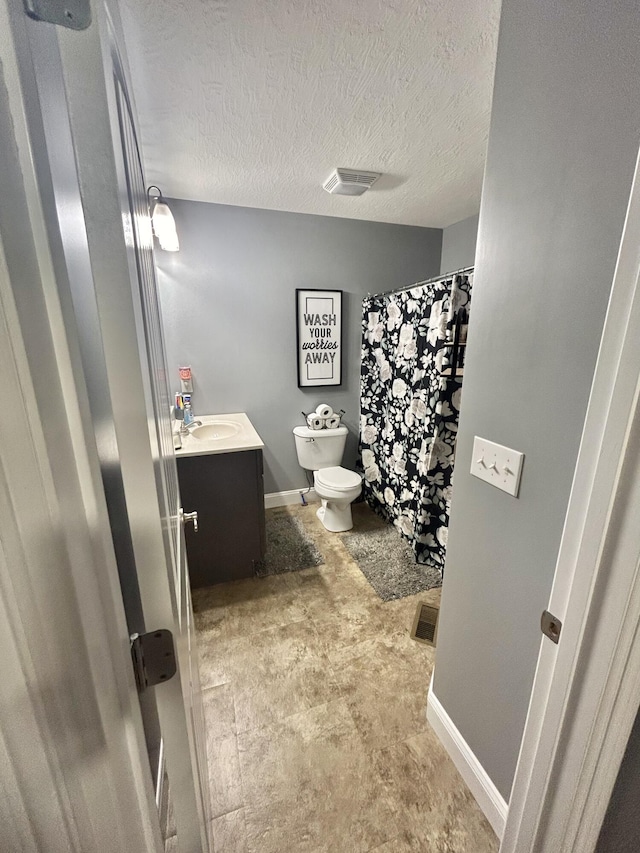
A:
(586, 691)
(74, 770)
(63, 106)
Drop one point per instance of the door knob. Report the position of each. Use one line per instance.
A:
(189, 516)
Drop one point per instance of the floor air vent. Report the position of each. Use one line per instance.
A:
(425, 624)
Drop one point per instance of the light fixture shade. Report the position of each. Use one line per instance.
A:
(164, 227)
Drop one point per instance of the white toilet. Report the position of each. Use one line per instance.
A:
(321, 451)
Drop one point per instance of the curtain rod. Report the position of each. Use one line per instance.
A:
(426, 281)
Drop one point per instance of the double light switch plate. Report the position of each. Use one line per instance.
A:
(496, 464)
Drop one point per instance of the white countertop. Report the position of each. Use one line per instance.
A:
(246, 437)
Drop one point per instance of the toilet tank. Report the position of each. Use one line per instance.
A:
(320, 448)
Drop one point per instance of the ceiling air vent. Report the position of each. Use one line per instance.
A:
(350, 181)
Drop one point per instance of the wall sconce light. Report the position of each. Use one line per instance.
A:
(162, 221)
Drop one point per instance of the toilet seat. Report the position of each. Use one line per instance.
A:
(336, 487)
(338, 479)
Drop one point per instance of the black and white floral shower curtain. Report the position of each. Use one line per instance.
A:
(409, 407)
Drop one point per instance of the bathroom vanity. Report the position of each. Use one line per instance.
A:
(221, 478)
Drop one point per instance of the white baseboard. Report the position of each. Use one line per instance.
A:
(485, 792)
(289, 498)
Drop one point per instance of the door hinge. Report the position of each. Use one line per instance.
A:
(154, 657)
(551, 626)
(72, 14)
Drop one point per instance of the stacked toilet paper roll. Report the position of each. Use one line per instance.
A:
(330, 419)
(324, 410)
(324, 418)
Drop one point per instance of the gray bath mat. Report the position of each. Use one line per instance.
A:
(387, 560)
(289, 547)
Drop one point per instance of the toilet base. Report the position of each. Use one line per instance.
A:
(335, 516)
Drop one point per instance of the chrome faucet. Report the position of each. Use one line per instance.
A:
(184, 428)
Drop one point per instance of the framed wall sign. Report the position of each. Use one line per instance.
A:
(319, 337)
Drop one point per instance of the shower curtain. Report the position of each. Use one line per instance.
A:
(409, 406)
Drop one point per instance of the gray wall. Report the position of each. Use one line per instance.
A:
(459, 244)
(228, 302)
(620, 832)
(563, 142)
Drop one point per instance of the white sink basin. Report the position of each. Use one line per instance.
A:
(215, 430)
(223, 433)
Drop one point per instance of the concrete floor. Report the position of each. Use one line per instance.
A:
(315, 701)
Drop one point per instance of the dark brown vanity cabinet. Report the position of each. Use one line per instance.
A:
(227, 492)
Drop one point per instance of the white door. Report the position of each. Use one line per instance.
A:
(135, 215)
(92, 190)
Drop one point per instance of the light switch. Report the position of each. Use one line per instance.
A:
(501, 466)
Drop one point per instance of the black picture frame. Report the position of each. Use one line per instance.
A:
(326, 367)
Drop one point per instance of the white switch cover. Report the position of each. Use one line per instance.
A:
(497, 465)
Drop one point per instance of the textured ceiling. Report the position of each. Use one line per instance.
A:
(254, 102)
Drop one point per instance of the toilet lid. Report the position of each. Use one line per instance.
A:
(338, 478)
